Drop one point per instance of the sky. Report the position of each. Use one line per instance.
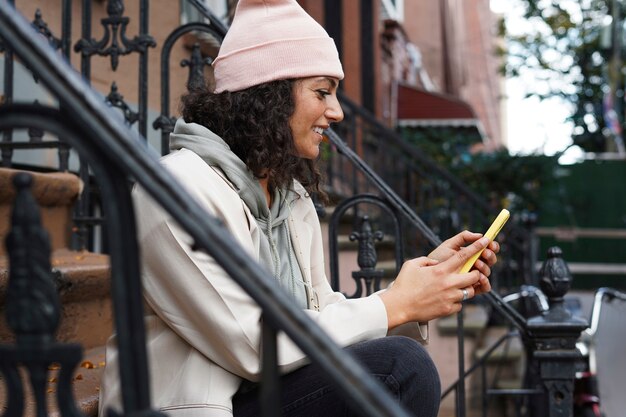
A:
(533, 126)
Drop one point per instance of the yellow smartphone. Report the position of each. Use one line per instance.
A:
(491, 233)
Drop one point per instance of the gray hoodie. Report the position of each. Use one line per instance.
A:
(276, 251)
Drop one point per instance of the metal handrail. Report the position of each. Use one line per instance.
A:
(128, 151)
(393, 198)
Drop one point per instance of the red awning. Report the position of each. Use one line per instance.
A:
(423, 108)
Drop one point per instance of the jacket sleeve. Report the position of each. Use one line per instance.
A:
(190, 292)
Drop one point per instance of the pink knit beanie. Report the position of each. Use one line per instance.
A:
(273, 40)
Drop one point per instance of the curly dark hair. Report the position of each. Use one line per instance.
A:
(255, 124)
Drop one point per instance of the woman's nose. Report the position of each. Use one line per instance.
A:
(334, 112)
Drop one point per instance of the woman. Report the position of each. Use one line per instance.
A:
(247, 151)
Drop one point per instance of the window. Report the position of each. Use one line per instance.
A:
(392, 9)
(189, 13)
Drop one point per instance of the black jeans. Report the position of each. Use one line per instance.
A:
(400, 363)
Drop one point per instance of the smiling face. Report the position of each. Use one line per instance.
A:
(316, 107)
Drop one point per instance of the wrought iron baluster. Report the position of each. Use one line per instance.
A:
(114, 44)
(460, 391)
(66, 29)
(367, 236)
(141, 43)
(115, 99)
(42, 27)
(64, 156)
(7, 135)
(85, 58)
(164, 122)
(366, 259)
(270, 379)
(33, 311)
(81, 208)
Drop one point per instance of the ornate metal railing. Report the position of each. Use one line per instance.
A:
(115, 154)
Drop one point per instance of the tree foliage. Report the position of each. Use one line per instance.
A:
(517, 182)
(567, 47)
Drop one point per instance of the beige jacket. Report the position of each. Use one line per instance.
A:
(203, 333)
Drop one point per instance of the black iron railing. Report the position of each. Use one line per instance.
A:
(116, 153)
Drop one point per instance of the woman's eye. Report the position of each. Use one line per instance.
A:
(323, 93)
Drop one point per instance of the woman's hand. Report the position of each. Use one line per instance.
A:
(487, 259)
(427, 288)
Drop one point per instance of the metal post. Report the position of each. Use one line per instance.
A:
(551, 343)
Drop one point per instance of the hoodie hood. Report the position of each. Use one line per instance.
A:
(215, 152)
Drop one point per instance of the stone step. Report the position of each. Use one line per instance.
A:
(475, 320)
(510, 351)
(85, 387)
(83, 280)
(54, 192)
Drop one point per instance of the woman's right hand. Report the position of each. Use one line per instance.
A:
(426, 289)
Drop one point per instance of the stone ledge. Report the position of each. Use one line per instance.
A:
(83, 280)
(49, 189)
(55, 193)
(78, 274)
(508, 352)
(474, 321)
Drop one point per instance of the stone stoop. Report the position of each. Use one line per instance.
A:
(83, 281)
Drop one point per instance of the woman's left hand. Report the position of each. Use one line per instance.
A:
(487, 259)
